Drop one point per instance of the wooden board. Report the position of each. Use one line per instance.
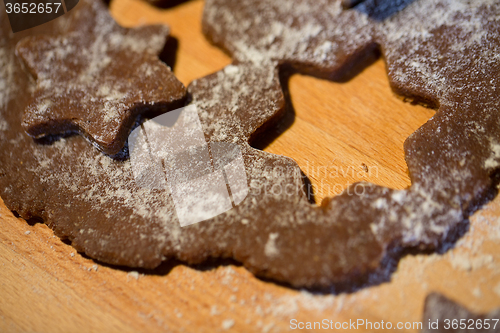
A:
(336, 132)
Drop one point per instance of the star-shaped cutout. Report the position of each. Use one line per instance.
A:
(97, 80)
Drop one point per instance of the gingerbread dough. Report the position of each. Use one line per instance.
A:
(96, 80)
(440, 52)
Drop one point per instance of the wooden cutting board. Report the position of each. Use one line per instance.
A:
(338, 133)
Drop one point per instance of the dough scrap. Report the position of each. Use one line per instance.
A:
(451, 317)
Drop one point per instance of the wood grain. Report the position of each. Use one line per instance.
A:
(348, 132)
(45, 286)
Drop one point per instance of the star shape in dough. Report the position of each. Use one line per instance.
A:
(97, 80)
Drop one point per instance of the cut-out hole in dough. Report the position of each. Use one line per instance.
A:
(341, 133)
